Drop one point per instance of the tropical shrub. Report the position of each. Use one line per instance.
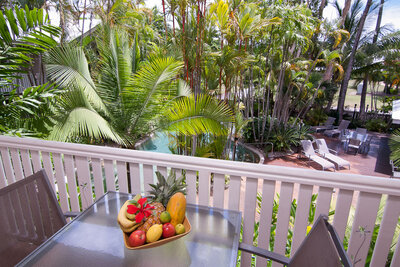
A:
(376, 125)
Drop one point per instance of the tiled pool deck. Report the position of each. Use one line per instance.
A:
(376, 163)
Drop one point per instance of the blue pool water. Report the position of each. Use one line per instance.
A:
(161, 143)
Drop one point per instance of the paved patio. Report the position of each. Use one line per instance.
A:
(376, 163)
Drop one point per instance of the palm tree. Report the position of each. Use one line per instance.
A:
(345, 84)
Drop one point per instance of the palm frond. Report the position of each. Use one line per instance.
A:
(75, 117)
(67, 66)
(193, 116)
(149, 88)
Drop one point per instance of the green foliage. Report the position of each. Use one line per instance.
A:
(24, 34)
(394, 144)
(196, 115)
(376, 125)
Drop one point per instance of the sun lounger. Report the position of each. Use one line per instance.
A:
(336, 131)
(309, 152)
(327, 125)
(326, 152)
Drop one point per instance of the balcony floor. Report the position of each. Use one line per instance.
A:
(376, 163)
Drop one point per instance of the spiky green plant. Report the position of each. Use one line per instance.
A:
(165, 188)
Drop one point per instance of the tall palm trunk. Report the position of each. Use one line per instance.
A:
(321, 8)
(83, 21)
(346, 9)
(165, 20)
(345, 84)
(374, 40)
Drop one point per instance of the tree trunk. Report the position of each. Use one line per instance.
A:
(374, 40)
(165, 20)
(363, 96)
(83, 21)
(345, 84)
(321, 8)
(346, 9)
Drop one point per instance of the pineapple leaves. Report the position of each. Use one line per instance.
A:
(166, 188)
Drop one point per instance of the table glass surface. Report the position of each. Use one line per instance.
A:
(95, 239)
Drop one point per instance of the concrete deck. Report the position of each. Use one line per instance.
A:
(376, 163)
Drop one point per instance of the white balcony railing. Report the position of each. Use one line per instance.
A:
(82, 173)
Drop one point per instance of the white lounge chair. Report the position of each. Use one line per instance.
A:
(336, 131)
(309, 152)
(326, 153)
(327, 125)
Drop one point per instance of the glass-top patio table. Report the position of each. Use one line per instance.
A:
(95, 239)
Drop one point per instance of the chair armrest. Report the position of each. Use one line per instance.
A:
(264, 253)
(71, 214)
(333, 151)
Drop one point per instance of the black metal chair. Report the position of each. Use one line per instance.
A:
(321, 247)
(29, 215)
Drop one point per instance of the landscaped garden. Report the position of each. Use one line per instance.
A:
(230, 80)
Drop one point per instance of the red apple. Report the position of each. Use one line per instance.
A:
(137, 238)
(168, 230)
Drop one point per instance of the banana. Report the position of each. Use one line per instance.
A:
(130, 230)
(123, 221)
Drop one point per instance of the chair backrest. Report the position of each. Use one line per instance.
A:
(307, 147)
(29, 214)
(361, 131)
(354, 142)
(329, 121)
(343, 125)
(322, 147)
(321, 247)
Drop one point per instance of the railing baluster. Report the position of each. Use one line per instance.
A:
(97, 171)
(16, 162)
(249, 217)
(26, 162)
(219, 190)
(267, 204)
(148, 177)
(343, 204)
(204, 187)
(234, 192)
(49, 169)
(60, 178)
(191, 186)
(72, 189)
(122, 177)
(134, 171)
(5, 156)
(365, 216)
(36, 161)
(3, 180)
(85, 185)
(323, 201)
(302, 212)
(388, 225)
(109, 172)
(282, 224)
(396, 256)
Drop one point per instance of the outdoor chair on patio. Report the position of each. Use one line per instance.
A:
(326, 153)
(353, 144)
(365, 146)
(361, 131)
(336, 131)
(321, 247)
(309, 152)
(29, 215)
(327, 125)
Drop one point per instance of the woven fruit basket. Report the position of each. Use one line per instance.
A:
(160, 242)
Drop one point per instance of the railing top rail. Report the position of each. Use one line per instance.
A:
(287, 174)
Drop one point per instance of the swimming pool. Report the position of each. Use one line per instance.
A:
(162, 144)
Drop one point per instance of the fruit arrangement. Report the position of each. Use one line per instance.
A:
(156, 218)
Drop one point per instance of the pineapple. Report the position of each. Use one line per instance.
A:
(154, 218)
(164, 189)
